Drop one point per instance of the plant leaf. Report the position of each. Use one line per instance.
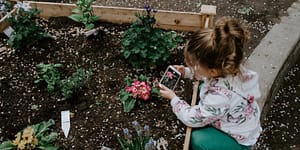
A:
(49, 138)
(48, 147)
(94, 18)
(7, 145)
(129, 104)
(89, 26)
(76, 17)
(76, 10)
(42, 127)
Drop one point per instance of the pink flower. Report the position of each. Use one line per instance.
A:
(143, 89)
(145, 96)
(128, 89)
(134, 95)
(143, 84)
(148, 87)
(134, 89)
(170, 75)
(139, 89)
(251, 99)
(136, 83)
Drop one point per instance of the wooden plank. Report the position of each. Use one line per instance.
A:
(174, 20)
(3, 23)
(188, 132)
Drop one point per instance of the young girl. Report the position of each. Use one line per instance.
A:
(227, 115)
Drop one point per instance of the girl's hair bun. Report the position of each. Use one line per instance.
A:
(220, 48)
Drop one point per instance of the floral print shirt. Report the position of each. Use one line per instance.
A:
(227, 103)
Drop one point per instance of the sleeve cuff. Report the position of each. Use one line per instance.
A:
(174, 100)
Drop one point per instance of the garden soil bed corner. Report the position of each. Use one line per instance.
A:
(98, 113)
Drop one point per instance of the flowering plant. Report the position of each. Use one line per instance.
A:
(23, 5)
(26, 30)
(33, 137)
(5, 7)
(145, 46)
(143, 141)
(138, 88)
(169, 76)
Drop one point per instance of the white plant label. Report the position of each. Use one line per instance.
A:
(8, 31)
(65, 122)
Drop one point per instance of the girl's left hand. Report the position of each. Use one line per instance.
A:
(166, 92)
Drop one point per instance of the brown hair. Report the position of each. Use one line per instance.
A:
(220, 48)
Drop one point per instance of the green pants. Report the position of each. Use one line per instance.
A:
(210, 138)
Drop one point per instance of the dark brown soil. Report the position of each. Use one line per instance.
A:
(99, 116)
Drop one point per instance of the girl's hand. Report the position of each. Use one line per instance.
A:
(166, 92)
(181, 69)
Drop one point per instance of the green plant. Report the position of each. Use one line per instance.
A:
(70, 85)
(5, 7)
(50, 74)
(143, 141)
(26, 30)
(199, 4)
(138, 88)
(38, 136)
(245, 10)
(84, 13)
(143, 45)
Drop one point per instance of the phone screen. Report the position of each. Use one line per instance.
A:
(170, 78)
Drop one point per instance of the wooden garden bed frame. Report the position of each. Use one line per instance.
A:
(170, 20)
(3, 23)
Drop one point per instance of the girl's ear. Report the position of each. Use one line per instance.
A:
(213, 72)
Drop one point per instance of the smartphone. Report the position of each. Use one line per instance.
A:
(170, 78)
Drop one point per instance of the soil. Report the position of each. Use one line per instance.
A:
(98, 113)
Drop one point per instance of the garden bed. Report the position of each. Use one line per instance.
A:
(98, 114)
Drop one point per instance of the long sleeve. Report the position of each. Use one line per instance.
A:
(206, 112)
(228, 104)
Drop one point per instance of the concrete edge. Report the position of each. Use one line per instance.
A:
(275, 54)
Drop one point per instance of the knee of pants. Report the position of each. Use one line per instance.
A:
(198, 141)
(203, 140)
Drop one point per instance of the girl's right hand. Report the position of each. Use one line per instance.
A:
(167, 93)
(181, 69)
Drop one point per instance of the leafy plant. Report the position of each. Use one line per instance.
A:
(38, 136)
(143, 141)
(74, 82)
(26, 30)
(84, 13)
(143, 45)
(138, 88)
(5, 7)
(50, 74)
(199, 4)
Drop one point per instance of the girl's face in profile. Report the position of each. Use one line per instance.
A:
(199, 70)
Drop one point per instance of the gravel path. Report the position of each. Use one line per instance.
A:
(281, 125)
